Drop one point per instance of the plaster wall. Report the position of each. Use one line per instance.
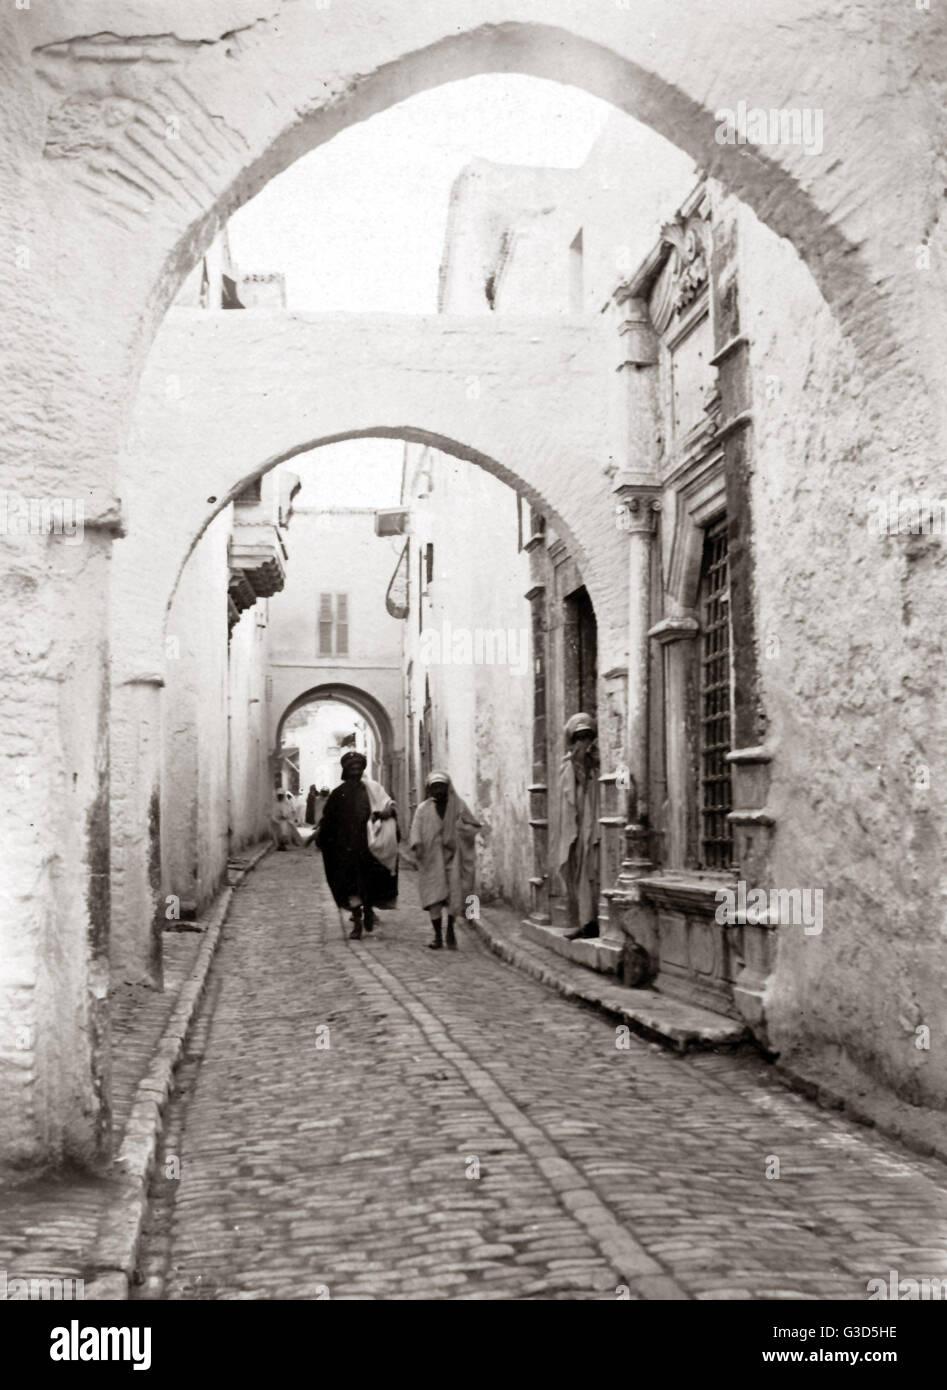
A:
(194, 774)
(851, 642)
(215, 779)
(250, 777)
(514, 228)
(481, 708)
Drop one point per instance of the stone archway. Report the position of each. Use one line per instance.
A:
(521, 398)
(370, 708)
(139, 146)
(672, 70)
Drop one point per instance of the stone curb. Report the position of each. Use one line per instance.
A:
(828, 1098)
(679, 1038)
(910, 1136)
(116, 1250)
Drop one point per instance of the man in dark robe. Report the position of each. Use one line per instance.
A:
(353, 820)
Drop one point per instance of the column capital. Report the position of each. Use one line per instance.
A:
(637, 502)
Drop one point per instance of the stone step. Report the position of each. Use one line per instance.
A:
(543, 953)
(595, 954)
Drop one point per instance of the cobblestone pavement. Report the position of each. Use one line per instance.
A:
(467, 1134)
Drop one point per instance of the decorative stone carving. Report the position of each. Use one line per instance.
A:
(637, 506)
(690, 262)
(685, 272)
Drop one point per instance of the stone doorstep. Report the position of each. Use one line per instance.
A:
(657, 1017)
(596, 954)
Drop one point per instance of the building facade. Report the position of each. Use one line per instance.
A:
(714, 891)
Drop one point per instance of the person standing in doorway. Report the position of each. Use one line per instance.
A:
(443, 834)
(579, 830)
(358, 836)
(311, 805)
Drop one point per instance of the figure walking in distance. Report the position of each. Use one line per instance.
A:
(579, 830)
(442, 837)
(283, 821)
(358, 836)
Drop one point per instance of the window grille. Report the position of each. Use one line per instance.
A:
(716, 794)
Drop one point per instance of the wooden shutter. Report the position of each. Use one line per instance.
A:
(341, 624)
(325, 624)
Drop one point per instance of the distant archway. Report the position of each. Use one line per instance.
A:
(370, 709)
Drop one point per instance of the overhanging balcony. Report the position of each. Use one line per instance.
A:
(257, 560)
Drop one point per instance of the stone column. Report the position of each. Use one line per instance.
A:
(55, 1079)
(538, 787)
(638, 503)
(135, 756)
(641, 505)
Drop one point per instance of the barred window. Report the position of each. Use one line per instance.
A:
(716, 799)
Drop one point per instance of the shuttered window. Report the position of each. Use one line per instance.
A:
(716, 799)
(325, 625)
(333, 624)
(341, 624)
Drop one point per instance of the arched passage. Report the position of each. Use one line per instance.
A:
(370, 708)
(523, 399)
(671, 69)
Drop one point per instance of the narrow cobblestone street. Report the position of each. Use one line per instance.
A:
(375, 1120)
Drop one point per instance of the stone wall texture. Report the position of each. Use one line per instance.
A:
(852, 650)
